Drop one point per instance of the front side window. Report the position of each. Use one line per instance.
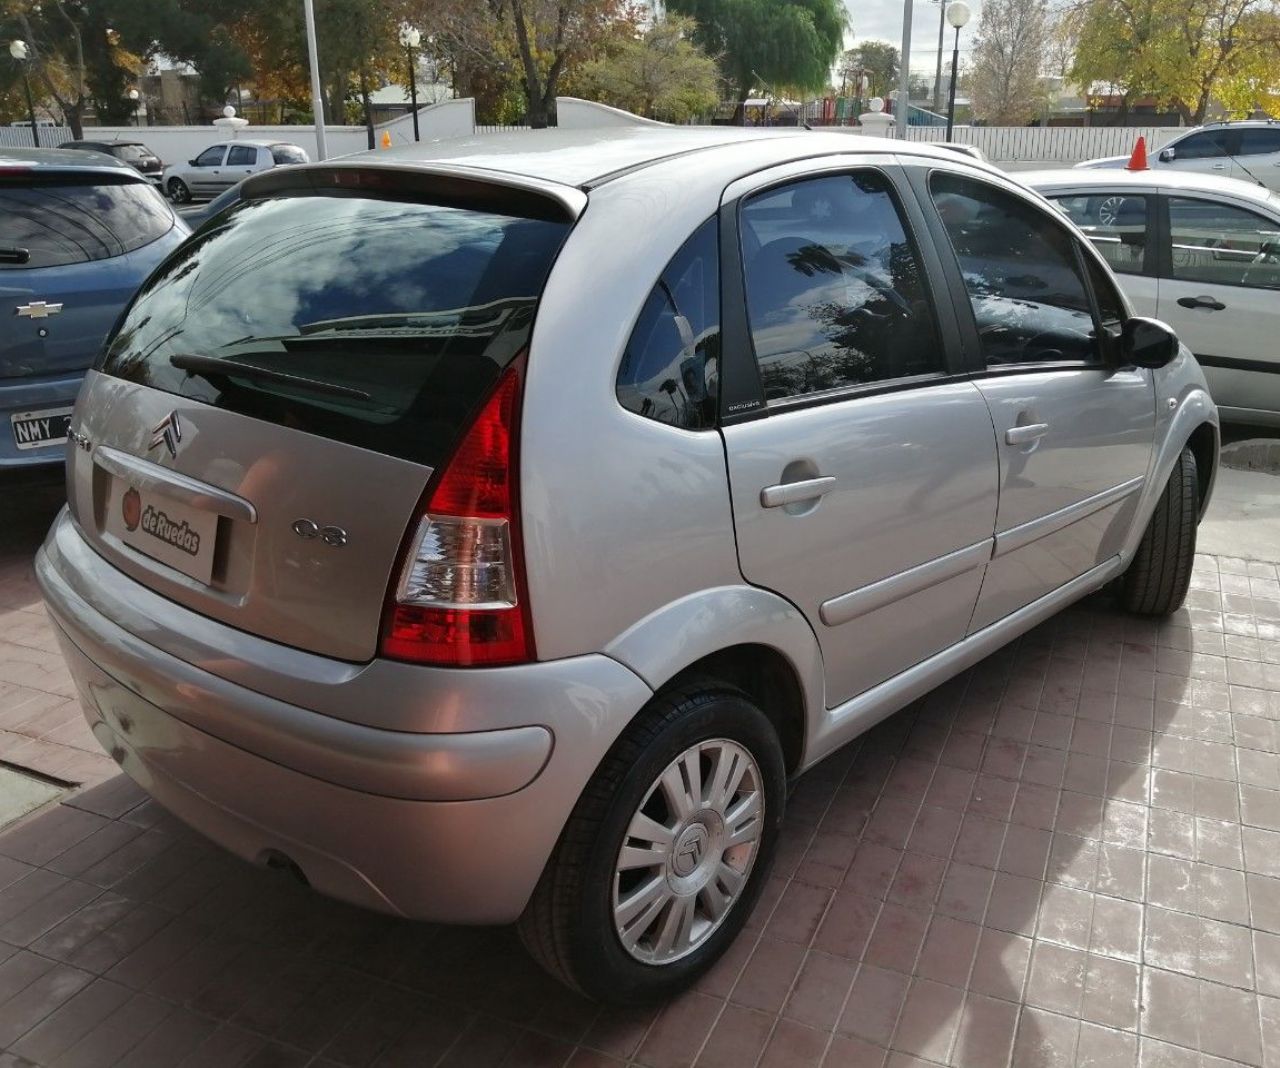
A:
(59, 224)
(242, 156)
(1115, 222)
(671, 367)
(835, 292)
(1020, 268)
(1216, 243)
(211, 157)
(1210, 144)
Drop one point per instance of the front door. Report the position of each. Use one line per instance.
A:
(206, 171)
(864, 485)
(1219, 289)
(1206, 152)
(1074, 432)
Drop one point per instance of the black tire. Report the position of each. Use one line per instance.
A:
(1156, 581)
(568, 925)
(178, 191)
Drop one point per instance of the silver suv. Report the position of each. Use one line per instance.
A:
(494, 536)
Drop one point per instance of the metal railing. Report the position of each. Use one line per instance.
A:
(20, 136)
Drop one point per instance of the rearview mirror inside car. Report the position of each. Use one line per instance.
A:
(1148, 343)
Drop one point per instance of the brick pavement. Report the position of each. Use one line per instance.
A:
(1069, 856)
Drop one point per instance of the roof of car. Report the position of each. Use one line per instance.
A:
(63, 159)
(100, 141)
(588, 157)
(1164, 177)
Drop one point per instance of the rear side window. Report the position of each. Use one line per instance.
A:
(1259, 141)
(671, 367)
(131, 153)
(835, 295)
(59, 225)
(376, 322)
(1116, 223)
(288, 154)
(1223, 245)
(1022, 274)
(242, 156)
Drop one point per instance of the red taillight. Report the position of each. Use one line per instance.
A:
(459, 596)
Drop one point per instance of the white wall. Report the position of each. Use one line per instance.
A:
(173, 144)
(1049, 144)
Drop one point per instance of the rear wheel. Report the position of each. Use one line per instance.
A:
(666, 851)
(178, 191)
(1156, 582)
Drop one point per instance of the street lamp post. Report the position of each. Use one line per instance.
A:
(317, 97)
(136, 99)
(410, 38)
(902, 110)
(958, 15)
(18, 50)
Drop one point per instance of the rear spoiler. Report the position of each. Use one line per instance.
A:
(440, 182)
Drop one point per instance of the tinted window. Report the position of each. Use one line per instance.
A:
(288, 154)
(671, 368)
(1257, 141)
(131, 153)
(1224, 245)
(242, 156)
(1116, 223)
(210, 157)
(410, 310)
(835, 295)
(62, 224)
(1207, 145)
(1020, 269)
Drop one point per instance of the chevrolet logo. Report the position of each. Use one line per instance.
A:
(167, 432)
(38, 309)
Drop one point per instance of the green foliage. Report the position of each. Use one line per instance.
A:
(878, 60)
(781, 42)
(661, 74)
(1005, 81)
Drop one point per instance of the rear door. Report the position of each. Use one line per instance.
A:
(1259, 158)
(862, 466)
(242, 161)
(1074, 430)
(1220, 290)
(1206, 152)
(267, 416)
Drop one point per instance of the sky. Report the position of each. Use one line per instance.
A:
(882, 20)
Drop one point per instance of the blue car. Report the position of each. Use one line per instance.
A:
(78, 236)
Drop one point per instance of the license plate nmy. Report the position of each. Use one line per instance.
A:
(42, 429)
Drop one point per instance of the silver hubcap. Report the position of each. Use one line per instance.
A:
(688, 851)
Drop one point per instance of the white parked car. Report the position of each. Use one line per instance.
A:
(221, 166)
(1248, 150)
(1200, 252)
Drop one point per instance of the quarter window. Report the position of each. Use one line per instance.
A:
(835, 294)
(1225, 245)
(1021, 270)
(1116, 223)
(671, 367)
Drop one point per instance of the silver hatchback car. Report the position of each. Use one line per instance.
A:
(490, 532)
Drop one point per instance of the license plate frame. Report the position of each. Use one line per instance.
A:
(46, 421)
(163, 529)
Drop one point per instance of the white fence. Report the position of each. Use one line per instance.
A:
(1048, 144)
(20, 136)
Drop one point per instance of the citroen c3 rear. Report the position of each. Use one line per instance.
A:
(479, 533)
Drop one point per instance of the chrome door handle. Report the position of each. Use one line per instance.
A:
(808, 489)
(1022, 435)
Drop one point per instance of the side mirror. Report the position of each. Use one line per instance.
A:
(1167, 155)
(191, 163)
(1148, 343)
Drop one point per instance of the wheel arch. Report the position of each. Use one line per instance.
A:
(1204, 445)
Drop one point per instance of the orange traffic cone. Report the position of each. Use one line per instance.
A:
(386, 143)
(1138, 161)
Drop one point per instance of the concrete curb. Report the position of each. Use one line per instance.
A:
(1260, 454)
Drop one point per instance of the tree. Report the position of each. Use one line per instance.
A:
(1005, 82)
(661, 74)
(779, 42)
(878, 60)
(1182, 54)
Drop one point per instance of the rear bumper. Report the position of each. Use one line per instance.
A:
(29, 395)
(445, 826)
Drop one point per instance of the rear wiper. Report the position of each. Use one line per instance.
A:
(10, 254)
(212, 365)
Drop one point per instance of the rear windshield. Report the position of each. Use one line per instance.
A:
(392, 319)
(53, 225)
(134, 153)
(288, 154)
